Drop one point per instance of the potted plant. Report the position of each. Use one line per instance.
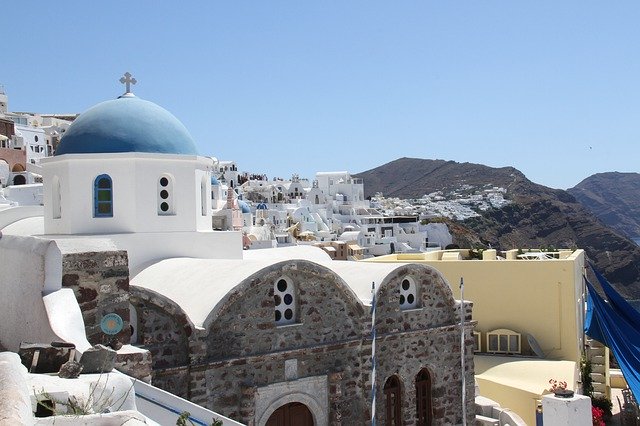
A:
(559, 389)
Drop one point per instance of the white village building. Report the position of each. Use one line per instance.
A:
(262, 336)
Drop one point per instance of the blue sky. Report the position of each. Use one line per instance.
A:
(551, 88)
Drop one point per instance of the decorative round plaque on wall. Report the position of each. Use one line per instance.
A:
(111, 324)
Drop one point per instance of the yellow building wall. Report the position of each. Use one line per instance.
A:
(537, 297)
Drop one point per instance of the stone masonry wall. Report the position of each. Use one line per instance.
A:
(242, 349)
(245, 323)
(163, 336)
(164, 330)
(332, 336)
(100, 281)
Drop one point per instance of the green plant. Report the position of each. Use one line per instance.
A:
(184, 418)
(585, 376)
(476, 253)
(96, 402)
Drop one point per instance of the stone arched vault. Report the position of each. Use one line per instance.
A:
(140, 298)
(328, 311)
(436, 305)
(169, 335)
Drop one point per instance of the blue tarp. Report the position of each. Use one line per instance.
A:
(615, 324)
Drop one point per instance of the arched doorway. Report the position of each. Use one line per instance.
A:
(292, 414)
(19, 180)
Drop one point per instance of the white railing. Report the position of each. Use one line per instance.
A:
(165, 408)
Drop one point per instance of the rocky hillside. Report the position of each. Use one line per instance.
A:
(614, 198)
(538, 217)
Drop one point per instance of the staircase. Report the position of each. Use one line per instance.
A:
(598, 354)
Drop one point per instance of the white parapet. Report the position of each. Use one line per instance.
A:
(574, 411)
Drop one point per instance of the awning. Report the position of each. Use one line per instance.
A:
(3, 138)
(616, 324)
(355, 247)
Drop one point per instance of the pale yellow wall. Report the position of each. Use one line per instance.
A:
(539, 297)
(520, 401)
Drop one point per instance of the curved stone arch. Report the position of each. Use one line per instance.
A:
(266, 274)
(439, 287)
(319, 414)
(433, 371)
(167, 305)
(18, 168)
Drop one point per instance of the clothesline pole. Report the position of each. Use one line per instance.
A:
(462, 352)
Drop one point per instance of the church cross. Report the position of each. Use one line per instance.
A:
(127, 80)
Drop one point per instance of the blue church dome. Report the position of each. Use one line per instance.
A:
(126, 124)
(244, 207)
(214, 181)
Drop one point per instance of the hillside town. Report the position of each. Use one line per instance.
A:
(330, 209)
(148, 284)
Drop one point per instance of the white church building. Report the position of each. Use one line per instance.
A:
(262, 337)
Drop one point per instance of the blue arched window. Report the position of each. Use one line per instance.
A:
(103, 196)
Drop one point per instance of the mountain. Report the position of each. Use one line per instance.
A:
(614, 198)
(537, 217)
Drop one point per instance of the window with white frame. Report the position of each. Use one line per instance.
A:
(503, 341)
(56, 198)
(477, 341)
(408, 294)
(204, 192)
(284, 297)
(166, 205)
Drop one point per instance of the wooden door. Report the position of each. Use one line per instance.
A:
(293, 414)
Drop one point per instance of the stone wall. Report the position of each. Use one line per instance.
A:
(164, 330)
(244, 324)
(100, 281)
(242, 354)
(162, 335)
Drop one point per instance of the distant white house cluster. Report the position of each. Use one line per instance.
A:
(329, 211)
(460, 204)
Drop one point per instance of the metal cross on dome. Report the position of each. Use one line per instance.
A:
(128, 80)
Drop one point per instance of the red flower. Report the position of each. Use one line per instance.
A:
(596, 414)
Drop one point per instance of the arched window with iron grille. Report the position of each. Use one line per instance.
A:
(393, 401)
(424, 413)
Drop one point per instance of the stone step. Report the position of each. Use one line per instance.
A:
(595, 352)
(599, 388)
(598, 377)
(597, 359)
(486, 421)
(597, 368)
